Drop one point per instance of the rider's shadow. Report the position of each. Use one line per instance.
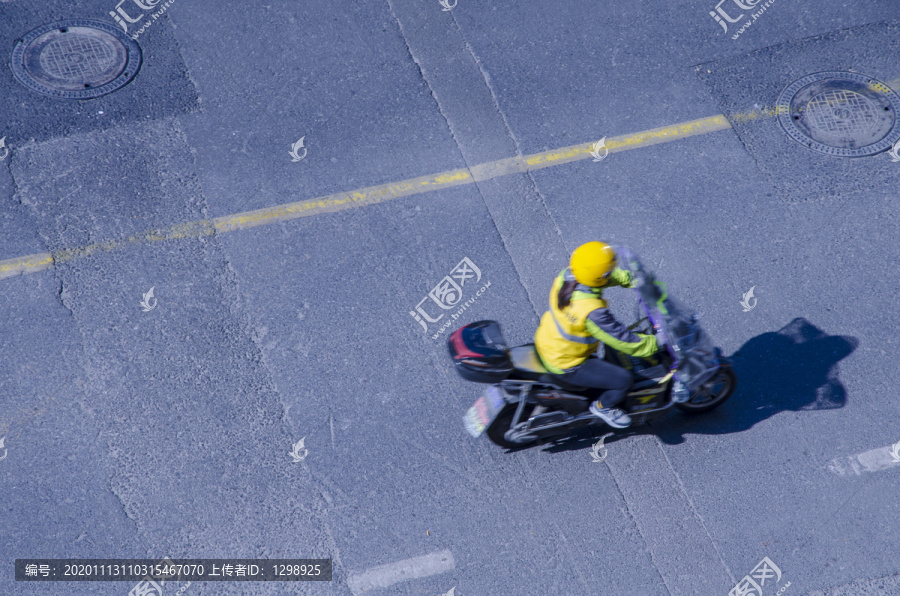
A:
(791, 369)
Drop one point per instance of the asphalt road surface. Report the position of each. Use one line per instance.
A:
(292, 179)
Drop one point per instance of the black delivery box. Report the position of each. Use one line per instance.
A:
(479, 352)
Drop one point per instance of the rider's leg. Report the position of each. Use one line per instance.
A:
(614, 382)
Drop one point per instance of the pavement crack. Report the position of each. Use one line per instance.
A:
(538, 309)
(421, 71)
(833, 514)
(459, 471)
(637, 527)
(122, 504)
(487, 82)
(696, 513)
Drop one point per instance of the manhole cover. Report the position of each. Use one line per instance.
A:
(76, 59)
(840, 113)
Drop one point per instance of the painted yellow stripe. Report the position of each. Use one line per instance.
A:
(385, 192)
(342, 200)
(370, 195)
(29, 264)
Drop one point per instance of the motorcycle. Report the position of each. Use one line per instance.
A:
(525, 403)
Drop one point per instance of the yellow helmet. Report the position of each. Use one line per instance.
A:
(592, 263)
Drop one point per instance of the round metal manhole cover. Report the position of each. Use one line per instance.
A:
(75, 59)
(840, 113)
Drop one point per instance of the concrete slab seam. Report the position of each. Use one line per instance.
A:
(699, 517)
(637, 526)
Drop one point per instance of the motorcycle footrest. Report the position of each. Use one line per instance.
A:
(547, 429)
(547, 419)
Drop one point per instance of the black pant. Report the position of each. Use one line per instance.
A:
(599, 374)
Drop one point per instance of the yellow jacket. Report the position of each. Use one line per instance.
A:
(566, 337)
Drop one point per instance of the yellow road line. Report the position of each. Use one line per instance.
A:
(342, 200)
(385, 192)
(370, 195)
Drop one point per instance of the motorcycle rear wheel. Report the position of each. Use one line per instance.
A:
(718, 390)
(502, 423)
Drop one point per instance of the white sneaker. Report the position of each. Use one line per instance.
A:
(614, 417)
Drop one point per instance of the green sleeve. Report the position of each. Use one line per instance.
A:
(621, 277)
(618, 337)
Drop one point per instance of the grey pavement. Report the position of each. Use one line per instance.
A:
(134, 433)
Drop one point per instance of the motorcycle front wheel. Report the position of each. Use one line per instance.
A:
(711, 394)
(502, 423)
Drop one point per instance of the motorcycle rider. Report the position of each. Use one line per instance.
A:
(578, 320)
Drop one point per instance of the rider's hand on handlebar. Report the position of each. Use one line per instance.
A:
(661, 339)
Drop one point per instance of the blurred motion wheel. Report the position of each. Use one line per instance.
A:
(501, 424)
(711, 394)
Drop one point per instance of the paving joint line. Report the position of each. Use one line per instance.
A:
(690, 501)
(538, 309)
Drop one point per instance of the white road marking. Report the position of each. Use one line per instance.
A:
(386, 575)
(874, 460)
